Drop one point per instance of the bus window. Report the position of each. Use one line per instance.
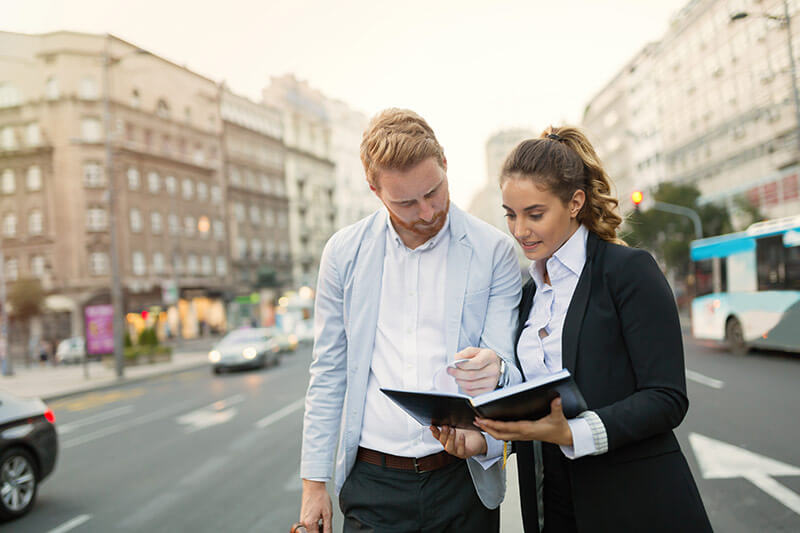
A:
(793, 268)
(704, 278)
(771, 265)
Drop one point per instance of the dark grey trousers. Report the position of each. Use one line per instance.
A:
(377, 499)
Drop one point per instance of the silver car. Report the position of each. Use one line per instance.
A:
(245, 348)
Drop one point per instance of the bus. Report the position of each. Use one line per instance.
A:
(748, 287)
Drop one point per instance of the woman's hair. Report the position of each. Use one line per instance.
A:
(397, 139)
(563, 161)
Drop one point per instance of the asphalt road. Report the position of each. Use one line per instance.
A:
(196, 452)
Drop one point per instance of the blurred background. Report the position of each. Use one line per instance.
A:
(171, 171)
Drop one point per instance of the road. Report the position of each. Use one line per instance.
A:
(195, 452)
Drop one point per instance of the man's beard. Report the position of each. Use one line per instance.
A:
(420, 227)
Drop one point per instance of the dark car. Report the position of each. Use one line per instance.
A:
(28, 451)
(245, 348)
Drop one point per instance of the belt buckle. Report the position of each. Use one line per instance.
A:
(416, 467)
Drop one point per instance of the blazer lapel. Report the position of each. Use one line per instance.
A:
(577, 309)
(525, 304)
(367, 277)
(459, 254)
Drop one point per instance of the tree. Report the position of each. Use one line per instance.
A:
(26, 300)
(668, 235)
(267, 277)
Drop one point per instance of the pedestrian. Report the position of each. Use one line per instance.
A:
(603, 311)
(400, 294)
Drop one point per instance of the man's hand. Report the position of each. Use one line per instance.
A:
(480, 373)
(316, 506)
(552, 428)
(462, 443)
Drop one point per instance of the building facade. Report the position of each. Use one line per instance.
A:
(310, 172)
(55, 200)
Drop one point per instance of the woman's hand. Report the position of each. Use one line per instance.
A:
(480, 373)
(462, 443)
(552, 428)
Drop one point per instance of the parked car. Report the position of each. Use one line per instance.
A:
(28, 452)
(71, 350)
(246, 348)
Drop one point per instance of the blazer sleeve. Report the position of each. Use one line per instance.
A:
(328, 372)
(652, 335)
(500, 324)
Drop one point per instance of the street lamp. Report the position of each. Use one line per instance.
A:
(116, 281)
(785, 19)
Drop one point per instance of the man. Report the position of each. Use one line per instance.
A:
(400, 294)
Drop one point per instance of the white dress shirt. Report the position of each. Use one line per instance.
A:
(409, 342)
(540, 344)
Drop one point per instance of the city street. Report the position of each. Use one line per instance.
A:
(195, 452)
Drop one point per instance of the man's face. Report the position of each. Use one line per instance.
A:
(417, 198)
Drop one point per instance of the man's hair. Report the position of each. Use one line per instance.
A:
(397, 139)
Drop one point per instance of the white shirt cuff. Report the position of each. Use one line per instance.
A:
(588, 436)
(494, 452)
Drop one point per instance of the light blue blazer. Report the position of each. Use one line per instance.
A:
(482, 293)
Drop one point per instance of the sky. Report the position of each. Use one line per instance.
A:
(469, 67)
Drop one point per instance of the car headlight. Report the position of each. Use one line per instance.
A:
(249, 352)
(214, 356)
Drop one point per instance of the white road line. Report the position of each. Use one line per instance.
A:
(704, 380)
(72, 524)
(69, 427)
(282, 413)
(116, 428)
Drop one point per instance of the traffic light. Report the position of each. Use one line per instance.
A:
(636, 198)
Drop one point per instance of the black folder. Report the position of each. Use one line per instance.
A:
(525, 401)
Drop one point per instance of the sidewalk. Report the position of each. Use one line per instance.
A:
(49, 383)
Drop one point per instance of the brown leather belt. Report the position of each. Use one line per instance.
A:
(423, 464)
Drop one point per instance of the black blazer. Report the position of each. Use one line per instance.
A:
(622, 343)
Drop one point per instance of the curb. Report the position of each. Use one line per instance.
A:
(122, 382)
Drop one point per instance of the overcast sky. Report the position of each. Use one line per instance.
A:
(469, 67)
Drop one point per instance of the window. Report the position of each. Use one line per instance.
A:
(153, 182)
(87, 89)
(9, 95)
(136, 220)
(139, 265)
(216, 194)
(255, 214)
(235, 177)
(8, 139)
(9, 183)
(158, 263)
(255, 247)
(162, 108)
(282, 219)
(187, 114)
(51, 91)
(285, 250)
(266, 184)
(241, 248)
(219, 230)
(96, 219)
(10, 224)
(177, 263)
(269, 217)
(136, 100)
(778, 267)
(37, 266)
(12, 269)
(171, 184)
(222, 266)
(269, 247)
(189, 225)
(174, 225)
(90, 129)
(33, 135)
(198, 157)
(239, 212)
(202, 191)
(93, 174)
(98, 263)
(188, 189)
(155, 223)
(35, 222)
(134, 179)
(191, 264)
(34, 178)
(206, 265)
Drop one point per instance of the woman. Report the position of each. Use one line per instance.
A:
(605, 312)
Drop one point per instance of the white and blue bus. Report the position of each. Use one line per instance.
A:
(748, 287)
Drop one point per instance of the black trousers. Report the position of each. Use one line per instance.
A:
(559, 513)
(377, 499)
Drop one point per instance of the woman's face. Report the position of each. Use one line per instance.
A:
(537, 218)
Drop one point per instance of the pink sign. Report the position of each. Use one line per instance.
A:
(99, 329)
